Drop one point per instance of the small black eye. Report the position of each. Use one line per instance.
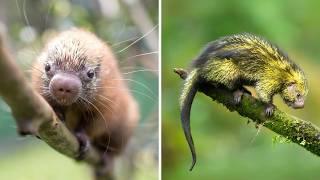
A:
(47, 67)
(298, 95)
(90, 74)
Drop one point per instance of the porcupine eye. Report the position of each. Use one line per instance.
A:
(47, 67)
(90, 74)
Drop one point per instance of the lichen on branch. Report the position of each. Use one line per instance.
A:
(296, 130)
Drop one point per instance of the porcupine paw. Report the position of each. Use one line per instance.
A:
(269, 109)
(60, 116)
(84, 145)
(237, 96)
(106, 166)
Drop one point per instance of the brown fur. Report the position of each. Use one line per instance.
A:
(110, 127)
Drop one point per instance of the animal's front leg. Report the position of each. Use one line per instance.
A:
(265, 94)
(84, 143)
(269, 109)
(60, 113)
(237, 94)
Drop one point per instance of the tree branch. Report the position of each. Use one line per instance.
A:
(296, 130)
(33, 114)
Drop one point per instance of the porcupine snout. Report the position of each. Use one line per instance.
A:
(65, 88)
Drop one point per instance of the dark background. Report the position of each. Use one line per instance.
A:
(227, 147)
(27, 24)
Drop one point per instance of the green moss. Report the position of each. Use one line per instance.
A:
(294, 129)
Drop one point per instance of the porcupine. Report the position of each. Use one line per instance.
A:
(79, 77)
(244, 59)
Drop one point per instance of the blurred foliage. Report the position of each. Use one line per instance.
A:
(227, 147)
(28, 25)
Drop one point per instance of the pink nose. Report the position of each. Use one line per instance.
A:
(65, 88)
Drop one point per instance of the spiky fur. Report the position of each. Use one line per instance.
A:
(237, 60)
(106, 111)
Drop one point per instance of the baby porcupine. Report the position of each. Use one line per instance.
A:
(244, 59)
(79, 76)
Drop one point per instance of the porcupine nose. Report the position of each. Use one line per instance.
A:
(65, 88)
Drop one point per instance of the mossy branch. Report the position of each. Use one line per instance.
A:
(33, 114)
(296, 130)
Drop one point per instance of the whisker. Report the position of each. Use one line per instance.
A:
(23, 15)
(130, 90)
(141, 70)
(131, 58)
(134, 42)
(140, 93)
(128, 67)
(137, 82)
(106, 98)
(143, 54)
(121, 42)
(25, 12)
(35, 68)
(104, 105)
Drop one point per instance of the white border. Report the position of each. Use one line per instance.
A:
(159, 86)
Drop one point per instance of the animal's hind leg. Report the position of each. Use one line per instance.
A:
(225, 73)
(238, 93)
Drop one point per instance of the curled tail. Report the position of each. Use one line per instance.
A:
(189, 91)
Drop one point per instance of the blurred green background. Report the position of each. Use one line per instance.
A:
(27, 24)
(228, 148)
